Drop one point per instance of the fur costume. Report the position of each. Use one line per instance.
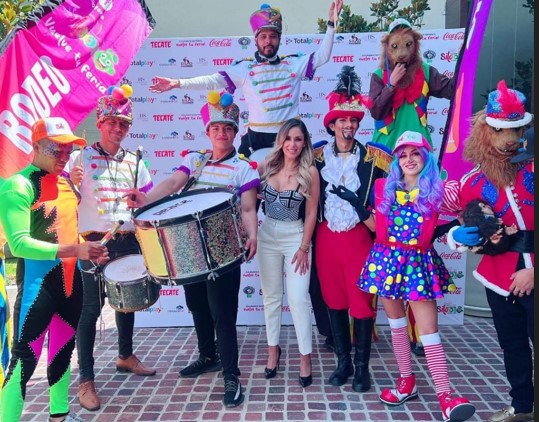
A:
(506, 187)
(402, 105)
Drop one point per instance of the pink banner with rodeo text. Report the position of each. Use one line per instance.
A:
(458, 124)
(61, 64)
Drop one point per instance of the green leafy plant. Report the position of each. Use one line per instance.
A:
(14, 11)
(384, 12)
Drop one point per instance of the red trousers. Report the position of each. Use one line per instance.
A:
(339, 260)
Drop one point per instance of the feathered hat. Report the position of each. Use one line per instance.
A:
(266, 17)
(220, 108)
(505, 108)
(346, 99)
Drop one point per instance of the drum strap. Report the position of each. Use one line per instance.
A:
(196, 174)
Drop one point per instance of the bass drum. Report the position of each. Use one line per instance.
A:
(260, 154)
(192, 236)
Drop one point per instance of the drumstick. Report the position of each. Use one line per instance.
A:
(81, 148)
(112, 232)
(135, 181)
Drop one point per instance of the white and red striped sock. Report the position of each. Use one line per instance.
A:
(437, 362)
(401, 345)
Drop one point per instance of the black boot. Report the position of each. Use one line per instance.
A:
(362, 342)
(340, 327)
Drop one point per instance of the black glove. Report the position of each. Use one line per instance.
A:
(353, 199)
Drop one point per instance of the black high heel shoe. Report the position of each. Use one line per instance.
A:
(270, 373)
(306, 381)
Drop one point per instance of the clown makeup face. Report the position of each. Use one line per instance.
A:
(411, 162)
(267, 42)
(52, 156)
(345, 127)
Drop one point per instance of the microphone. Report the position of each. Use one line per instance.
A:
(112, 232)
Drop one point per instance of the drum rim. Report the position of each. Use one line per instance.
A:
(110, 280)
(188, 217)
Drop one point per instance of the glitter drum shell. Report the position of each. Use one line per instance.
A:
(129, 286)
(191, 236)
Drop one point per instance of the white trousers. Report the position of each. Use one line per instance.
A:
(278, 241)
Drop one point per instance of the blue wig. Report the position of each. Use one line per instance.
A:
(430, 184)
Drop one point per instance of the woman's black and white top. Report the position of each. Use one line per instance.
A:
(283, 206)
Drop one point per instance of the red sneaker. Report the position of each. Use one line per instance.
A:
(404, 391)
(455, 409)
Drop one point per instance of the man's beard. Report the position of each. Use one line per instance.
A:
(347, 135)
(272, 54)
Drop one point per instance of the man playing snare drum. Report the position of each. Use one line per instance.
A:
(104, 172)
(214, 304)
(39, 217)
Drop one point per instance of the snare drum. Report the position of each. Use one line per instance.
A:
(129, 286)
(192, 236)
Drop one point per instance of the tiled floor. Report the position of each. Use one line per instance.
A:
(476, 371)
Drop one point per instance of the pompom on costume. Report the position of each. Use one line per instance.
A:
(116, 104)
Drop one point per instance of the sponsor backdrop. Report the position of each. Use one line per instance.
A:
(166, 124)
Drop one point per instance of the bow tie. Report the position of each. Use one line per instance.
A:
(405, 197)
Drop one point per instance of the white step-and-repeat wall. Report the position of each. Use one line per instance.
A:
(166, 124)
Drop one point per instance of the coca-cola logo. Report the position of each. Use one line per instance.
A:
(448, 73)
(450, 36)
(445, 111)
(225, 42)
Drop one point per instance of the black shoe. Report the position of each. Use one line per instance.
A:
(417, 349)
(270, 373)
(233, 395)
(201, 366)
(306, 381)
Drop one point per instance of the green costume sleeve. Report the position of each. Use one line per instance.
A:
(17, 196)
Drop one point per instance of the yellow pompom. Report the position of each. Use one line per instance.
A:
(213, 97)
(127, 89)
(203, 151)
(242, 156)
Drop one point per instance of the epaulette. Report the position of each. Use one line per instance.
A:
(379, 154)
(318, 148)
(246, 59)
(252, 163)
(285, 56)
(199, 151)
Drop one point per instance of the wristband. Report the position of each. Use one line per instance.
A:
(331, 23)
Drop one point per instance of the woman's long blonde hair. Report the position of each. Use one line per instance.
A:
(275, 159)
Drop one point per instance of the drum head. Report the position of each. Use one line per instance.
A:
(184, 204)
(260, 154)
(125, 268)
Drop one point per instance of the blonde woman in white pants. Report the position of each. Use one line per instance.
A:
(290, 190)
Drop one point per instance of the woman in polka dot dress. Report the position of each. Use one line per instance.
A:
(404, 266)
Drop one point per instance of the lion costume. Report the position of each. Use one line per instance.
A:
(506, 184)
(399, 100)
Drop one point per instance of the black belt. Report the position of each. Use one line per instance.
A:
(522, 241)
